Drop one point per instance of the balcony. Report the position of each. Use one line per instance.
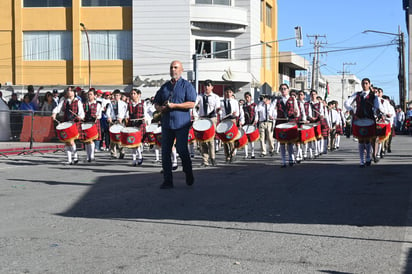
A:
(218, 18)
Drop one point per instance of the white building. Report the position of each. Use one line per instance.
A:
(225, 35)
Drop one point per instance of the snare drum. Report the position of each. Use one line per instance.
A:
(252, 132)
(287, 133)
(191, 135)
(89, 132)
(67, 131)
(317, 129)
(227, 131)
(364, 129)
(204, 130)
(151, 139)
(114, 132)
(383, 131)
(307, 134)
(241, 139)
(130, 137)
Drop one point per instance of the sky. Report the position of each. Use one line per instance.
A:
(342, 22)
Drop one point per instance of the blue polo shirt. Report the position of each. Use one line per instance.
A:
(182, 91)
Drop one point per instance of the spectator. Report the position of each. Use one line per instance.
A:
(56, 96)
(15, 116)
(27, 105)
(48, 104)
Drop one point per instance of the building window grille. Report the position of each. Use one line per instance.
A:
(47, 3)
(106, 3)
(215, 2)
(107, 45)
(47, 45)
(213, 49)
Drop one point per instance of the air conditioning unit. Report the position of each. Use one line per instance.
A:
(8, 84)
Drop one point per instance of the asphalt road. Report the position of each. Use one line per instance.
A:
(322, 216)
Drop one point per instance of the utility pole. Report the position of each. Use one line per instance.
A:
(402, 80)
(315, 66)
(344, 80)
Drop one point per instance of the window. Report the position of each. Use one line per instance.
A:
(268, 15)
(268, 57)
(47, 45)
(106, 3)
(47, 3)
(108, 45)
(215, 2)
(213, 49)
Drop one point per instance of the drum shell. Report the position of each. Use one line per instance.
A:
(241, 139)
(287, 133)
(67, 131)
(150, 133)
(114, 132)
(383, 129)
(227, 131)
(203, 133)
(130, 137)
(252, 134)
(307, 134)
(364, 128)
(191, 135)
(89, 132)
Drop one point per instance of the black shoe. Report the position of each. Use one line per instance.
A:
(190, 179)
(175, 167)
(121, 156)
(204, 165)
(283, 166)
(213, 162)
(140, 161)
(362, 166)
(253, 157)
(75, 161)
(376, 159)
(166, 185)
(368, 163)
(389, 150)
(262, 155)
(291, 163)
(192, 155)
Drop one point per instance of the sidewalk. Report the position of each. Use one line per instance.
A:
(10, 148)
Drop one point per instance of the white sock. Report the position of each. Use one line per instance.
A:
(68, 153)
(74, 151)
(253, 149)
(174, 157)
(337, 141)
(283, 154)
(92, 147)
(134, 153)
(246, 150)
(139, 152)
(361, 148)
(157, 154)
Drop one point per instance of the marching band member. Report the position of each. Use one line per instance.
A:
(316, 113)
(251, 118)
(302, 119)
(135, 117)
(119, 108)
(72, 109)
(93, 113)
(363, 104)
(229, 109)
(332, 122)
(340, 125)
(286, 110)
(324, 123)
(266, 115)
(209, 106)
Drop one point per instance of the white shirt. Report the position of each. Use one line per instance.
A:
(59, 107)
(234, 105)
(349, 103)
(213, 104)
(121, 110)
(261, 112)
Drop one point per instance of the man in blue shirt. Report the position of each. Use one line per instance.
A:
(174, 100)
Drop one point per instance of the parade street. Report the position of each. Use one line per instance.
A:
(321, 216)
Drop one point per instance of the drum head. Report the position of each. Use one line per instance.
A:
(152, 127)
(363, 122)
(116, 128)
(202, 125)
(224, 126)
(86, 126)
(129, 130)
(305, 127)
(286, 125)
(64, 125)
(249, 129)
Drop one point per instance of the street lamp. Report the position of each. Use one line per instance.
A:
(401, 74)
(88, 47)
